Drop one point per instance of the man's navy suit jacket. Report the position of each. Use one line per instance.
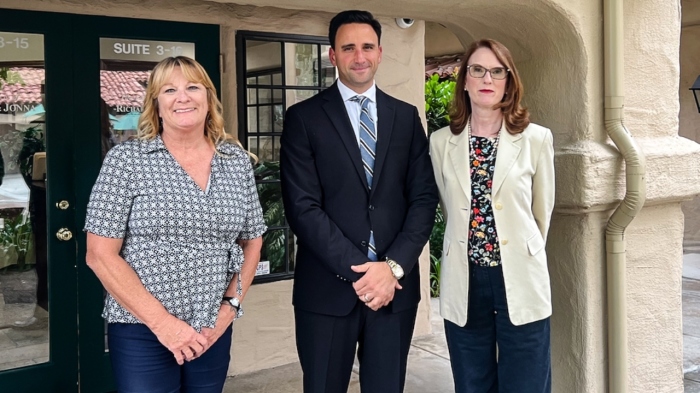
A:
(331, 209)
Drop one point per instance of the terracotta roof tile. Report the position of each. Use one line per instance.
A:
(29, 92)
(123, 88)
(443, 65)
(118, 88)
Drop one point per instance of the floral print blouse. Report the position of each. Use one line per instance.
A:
(483, 238)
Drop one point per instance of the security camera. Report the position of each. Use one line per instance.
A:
(404, 23)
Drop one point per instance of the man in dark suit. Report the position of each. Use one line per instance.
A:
(360, 195)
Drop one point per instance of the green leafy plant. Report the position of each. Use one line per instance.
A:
(438, 98)
(9, 77)
(17, 234)
(436, 237)
(434, 276)
(267, 173)
(438, 233)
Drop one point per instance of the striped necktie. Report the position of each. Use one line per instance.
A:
(368, 145)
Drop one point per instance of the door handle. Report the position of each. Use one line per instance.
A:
(64, 234)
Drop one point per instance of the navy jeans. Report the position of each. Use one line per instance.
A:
(522, 362)
(141, 364)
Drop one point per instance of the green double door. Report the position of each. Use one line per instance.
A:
(71, 87)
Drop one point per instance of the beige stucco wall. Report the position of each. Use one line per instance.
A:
(265, 337)
(689, 117)
(439, 40)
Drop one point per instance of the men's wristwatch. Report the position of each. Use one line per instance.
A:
(396, 269)
(235, 304)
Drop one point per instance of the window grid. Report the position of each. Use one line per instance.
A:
(254, 133)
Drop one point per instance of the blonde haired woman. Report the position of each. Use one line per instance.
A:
(174, 230)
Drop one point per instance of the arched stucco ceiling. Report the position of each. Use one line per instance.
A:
(690, 11)
(547, 47)
(548, 52)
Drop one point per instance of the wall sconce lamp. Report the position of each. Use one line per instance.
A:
(696, 89)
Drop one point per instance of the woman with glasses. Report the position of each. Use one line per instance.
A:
(495, 173)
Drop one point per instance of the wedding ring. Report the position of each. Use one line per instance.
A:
(366, 300)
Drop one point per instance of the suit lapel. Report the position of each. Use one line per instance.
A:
(385, 124)
(459, 155)
(335, 109)
(507, 154)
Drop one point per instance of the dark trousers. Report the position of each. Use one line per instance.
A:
(522, 361)
(326, 346)
(141, 364)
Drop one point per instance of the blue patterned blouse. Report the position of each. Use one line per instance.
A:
(179, 239)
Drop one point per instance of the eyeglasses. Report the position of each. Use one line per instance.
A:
(478, 71)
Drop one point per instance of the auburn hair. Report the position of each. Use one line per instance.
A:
(516, 117)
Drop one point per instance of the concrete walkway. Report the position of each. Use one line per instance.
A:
(428, 369)
(691, 322)
(429, 364)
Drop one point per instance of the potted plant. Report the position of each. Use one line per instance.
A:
(16, 235)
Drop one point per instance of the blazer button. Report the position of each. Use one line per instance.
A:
(499, 206)
(363, 243)
(371, 207)
(504, 241)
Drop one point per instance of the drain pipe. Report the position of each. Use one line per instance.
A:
(632, 202)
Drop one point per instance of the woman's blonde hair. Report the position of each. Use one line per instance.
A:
(149, 121)
(516, 116)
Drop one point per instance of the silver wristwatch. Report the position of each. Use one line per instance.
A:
(235, 304)
(396, 269)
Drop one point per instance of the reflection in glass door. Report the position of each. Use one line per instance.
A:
(125, 66)
(24, 303)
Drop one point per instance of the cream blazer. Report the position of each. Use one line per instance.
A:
(523, 199)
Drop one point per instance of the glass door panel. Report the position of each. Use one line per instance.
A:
(120, 55)
(125, 66)
(24, 302)
(38, 281)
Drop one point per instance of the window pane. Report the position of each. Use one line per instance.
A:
(327, 69)
(301, 64)
(277, 96)
(276, 148)
(265, 152)
(279, 118)
(273, 250)
(261, 56)
(294, 96)
(253, 119)
(264, 96)
(264, 119)
(252, 96)
(253, 145)
(264, 79)
(252, 81)
(277, 79)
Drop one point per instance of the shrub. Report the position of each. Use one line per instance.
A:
(438, 98)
